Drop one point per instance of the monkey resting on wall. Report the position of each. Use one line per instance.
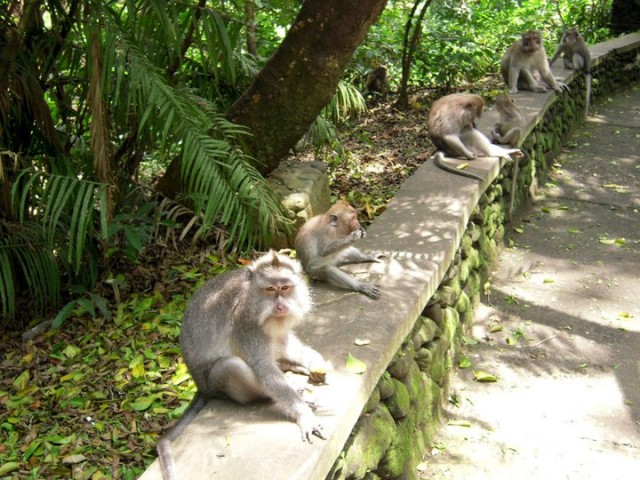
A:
(236, 340)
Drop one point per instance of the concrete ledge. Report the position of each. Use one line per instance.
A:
(419, 232)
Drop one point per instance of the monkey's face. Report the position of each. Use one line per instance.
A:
(280, 296)
(344, 218)
(531, 41)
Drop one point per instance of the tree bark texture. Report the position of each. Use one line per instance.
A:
(302, 75)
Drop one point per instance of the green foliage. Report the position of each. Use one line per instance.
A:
(346, 103)
(462, 42)
(92, 95)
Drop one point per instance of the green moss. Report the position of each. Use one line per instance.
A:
(395, 460)
(463, 304)
(399, 404)
(450, 319)
(372, 437)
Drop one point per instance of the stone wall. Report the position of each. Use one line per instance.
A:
(402, 414)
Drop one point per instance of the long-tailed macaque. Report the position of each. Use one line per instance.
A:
(324, 243)
(236, 340)
(576, 56)
(523, 60)
(508, 131)
(452, 129)
(377, 82)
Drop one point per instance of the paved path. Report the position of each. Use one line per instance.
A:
(560, 328)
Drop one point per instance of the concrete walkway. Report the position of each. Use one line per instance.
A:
(560, 328)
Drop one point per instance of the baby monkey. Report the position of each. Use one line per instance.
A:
(324, 243)
(523, 60)
(576, 56)
(452, 129)
(236, 341)
(509, 129)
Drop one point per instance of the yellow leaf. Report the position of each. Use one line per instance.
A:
(484, 376)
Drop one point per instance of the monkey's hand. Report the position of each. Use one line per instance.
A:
(540, 89)
(513, 90)
(370, 290)
(560, 86)
(309, 426)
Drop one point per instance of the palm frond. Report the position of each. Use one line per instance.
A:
(24, 253)
(64, 205)
(220, 180)
(346, 103)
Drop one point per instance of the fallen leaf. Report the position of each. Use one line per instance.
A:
(484, 376)
(354, 365)
(72, 459)
(464, 362)
(460, 423)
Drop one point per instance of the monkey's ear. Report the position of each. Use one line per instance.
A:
(333, 220)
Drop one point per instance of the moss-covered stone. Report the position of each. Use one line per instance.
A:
(373, 401)
(450, 319)
(463, 304)
(372, 437)
(399, 404)
(424, 334)
(438, 365)
(400, 365)
(395, 460)
(385, 386)
(423, 359)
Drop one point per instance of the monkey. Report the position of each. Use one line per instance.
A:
(236, 341)
(509, 130)
(324, 243)
(377, 82)
(452, 129)
(576, 56)
(525, 58)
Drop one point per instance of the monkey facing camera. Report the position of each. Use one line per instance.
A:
(324, 243)
(237, 340)
(525, 59)
(576, 56)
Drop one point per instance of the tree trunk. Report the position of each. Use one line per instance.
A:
(302, 75)
(408, 50)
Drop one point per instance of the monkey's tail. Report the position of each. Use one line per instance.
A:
(438, 160)
(587, 79)
(165, 453)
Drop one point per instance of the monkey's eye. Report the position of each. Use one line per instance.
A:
(271, 289)
(284, 288)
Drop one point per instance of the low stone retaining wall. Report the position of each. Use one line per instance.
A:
(439, 234)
